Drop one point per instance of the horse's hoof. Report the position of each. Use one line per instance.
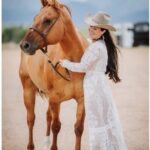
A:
(30, 147)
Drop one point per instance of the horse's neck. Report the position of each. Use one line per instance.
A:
(72, 43)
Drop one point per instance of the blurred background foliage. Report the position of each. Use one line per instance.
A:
(16, 33)
(13, 34)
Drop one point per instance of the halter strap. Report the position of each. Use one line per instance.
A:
(44, 50)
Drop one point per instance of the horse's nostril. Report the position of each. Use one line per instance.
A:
(26, 45)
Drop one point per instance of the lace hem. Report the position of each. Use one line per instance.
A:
(106, 138)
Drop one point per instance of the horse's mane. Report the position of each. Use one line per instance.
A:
(69, 10)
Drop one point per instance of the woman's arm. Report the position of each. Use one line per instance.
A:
(87, 61)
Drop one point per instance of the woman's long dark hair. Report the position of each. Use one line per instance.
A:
(112, 50)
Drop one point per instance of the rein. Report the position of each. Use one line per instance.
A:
(44, 50)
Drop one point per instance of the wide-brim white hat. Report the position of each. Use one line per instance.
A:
(100, 19)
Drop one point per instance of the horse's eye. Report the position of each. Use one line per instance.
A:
(47, 21)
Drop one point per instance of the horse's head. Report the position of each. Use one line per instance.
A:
(48, 27)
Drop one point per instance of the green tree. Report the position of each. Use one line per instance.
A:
(13, 34)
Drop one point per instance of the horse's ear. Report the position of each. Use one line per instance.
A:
(44, 2)
(55, 3)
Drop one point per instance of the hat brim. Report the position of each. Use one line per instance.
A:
(88, 20)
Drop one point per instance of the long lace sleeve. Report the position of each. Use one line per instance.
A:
(87, 61)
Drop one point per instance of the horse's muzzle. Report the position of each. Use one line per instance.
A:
(28, 48)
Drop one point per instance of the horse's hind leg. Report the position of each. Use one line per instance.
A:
(29, 92)
(79, 125)
(49, 119)
(56, 125)
(47, 138)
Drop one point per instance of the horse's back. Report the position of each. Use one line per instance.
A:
(83, 40)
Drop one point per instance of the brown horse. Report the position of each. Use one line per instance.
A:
(53, 26)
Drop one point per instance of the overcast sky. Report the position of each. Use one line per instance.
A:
(21, 12)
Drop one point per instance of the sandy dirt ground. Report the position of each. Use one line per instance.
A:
(131, 98)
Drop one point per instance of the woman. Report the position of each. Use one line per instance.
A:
(100, 58)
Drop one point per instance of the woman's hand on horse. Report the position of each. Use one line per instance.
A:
(63, 62)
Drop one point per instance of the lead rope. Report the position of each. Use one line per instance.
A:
(44, 50)
(54, 67)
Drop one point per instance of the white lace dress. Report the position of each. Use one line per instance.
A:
(105, 131)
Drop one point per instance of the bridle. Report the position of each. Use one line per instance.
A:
(44, 50)
(43, 35)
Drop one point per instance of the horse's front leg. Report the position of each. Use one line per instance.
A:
(56, 125)
(79, 125)
(29, 92)
(47, 138)
(49, 119)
